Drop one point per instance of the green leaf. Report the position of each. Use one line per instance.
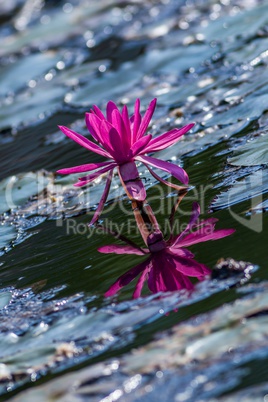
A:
(253, 153)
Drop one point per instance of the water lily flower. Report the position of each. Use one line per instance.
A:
(170, 263)
(123, 140)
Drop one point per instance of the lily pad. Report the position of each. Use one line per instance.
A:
(167, 61)
(6, 8)
(249, 108)
(254, 152)
(255, 52)
(31, 106)
(259, 208)
(7, 234)
(251, 186)
(57, 28)
(187, 362)
(202, 139)
(16, 190)
(248, 86)
(242, 23)
(5, 298)
(95, 91)
(41, 335)
(16, 75)
(174, 60)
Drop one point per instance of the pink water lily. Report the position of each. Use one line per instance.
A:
(123, 140)
(170, 263)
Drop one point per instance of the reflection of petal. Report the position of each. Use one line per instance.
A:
(190, 267)
(118, 249)
(164, 277)
(140, 283)
(167, 139)
(181, 252)
(169, 266)
(199, 236)
(155, 280)
(193, 219)
(103, 199)
(174, 170)
(84, 142)
(127, 278)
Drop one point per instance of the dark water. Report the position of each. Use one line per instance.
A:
(205, 62)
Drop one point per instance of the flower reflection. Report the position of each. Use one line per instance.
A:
(170, 263)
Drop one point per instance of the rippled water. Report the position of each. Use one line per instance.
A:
(205, 62)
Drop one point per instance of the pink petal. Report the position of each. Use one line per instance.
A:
(84, 142)
(167, 183)
(99, 172)
(146, 119)
(136, 121)
(190, 267)
(200, 236)
(174, 170)
(129, 177)
(111, 106)
(167, 139)
(140, 283)
(139, 145)
(103, 199)
(83, 168)
(93, 123)
(127, 278)
(98, 112)
(87, 179)
(135, 190)
(83, 183)
(118, 123)
(113, 138)
(125, 118)
(118, 249)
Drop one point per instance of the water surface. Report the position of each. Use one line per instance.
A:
(206, 62)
